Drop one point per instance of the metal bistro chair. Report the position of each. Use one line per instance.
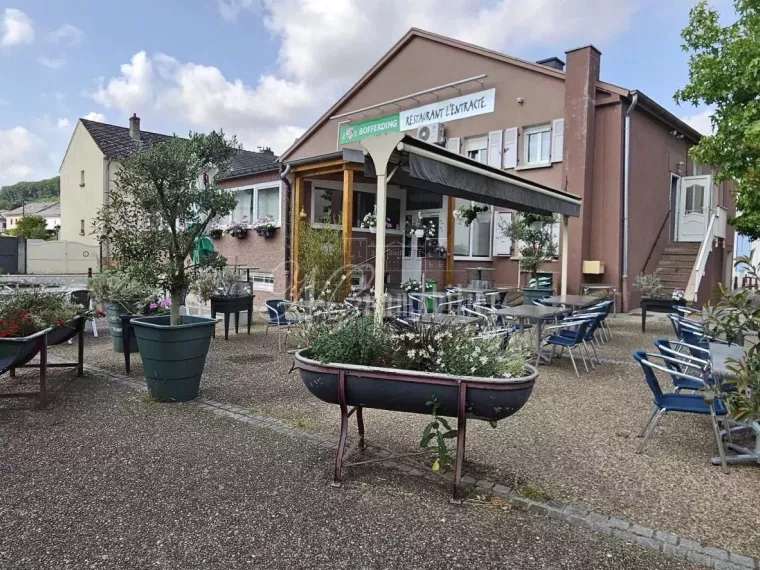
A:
(674, 402)
(589, 338)
(604, 307)
(576, 339)
(277, 317)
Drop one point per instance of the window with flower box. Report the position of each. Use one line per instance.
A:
(255, 201)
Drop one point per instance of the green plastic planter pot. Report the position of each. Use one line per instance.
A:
(173, 356)
(114, 310)
(531, 294)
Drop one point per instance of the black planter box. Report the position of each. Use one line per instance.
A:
(266, 233)
(650, 305)
(232, 305)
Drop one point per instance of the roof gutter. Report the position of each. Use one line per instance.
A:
(626, 190)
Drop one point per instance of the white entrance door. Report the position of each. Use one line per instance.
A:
(693, 207)
(415, 248)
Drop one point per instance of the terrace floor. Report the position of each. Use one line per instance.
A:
(103, 477)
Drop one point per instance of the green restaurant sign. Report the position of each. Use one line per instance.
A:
(354, 132)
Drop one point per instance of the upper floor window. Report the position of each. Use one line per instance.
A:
(477, 149)
(537, 144)
(256, 202)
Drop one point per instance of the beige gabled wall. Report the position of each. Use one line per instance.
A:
(81, 202)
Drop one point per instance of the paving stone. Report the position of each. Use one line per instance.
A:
(674, 551)
(741, 560)
(715, 552)
(642, 530)
(687, 544)
(468, 480)
(576, 511)
(484, 484)
(598, 518)
(621, 524)
(698, 557)
(666, 537)
(650, 543)
(501, 490)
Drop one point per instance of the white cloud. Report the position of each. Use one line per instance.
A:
(23, 156)
(68, 34)
(230, 9)
(63, 123)
(700, 121)
(52, 62)
(16, 28)
(97, 117)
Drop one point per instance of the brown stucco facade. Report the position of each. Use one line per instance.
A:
(591, 166)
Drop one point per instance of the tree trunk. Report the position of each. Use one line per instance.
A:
(177, 298)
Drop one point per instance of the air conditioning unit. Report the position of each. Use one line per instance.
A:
(432, 133)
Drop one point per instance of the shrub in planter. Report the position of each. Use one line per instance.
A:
(265, 226)
(156, 214)
(533, 233)
(120, 294)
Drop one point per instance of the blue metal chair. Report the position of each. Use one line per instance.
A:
(577, 330)
(276, 317)
(675, 402)
(589, 337)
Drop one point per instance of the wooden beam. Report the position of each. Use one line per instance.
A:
(322, 171)
(307, 168)
(348, 210)
(295, 253)
(450, 241)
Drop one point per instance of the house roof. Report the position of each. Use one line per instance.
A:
(115, 142)
(247, 162)
(659, 111)
(44, 209)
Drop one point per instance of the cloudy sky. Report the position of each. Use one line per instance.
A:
(266, 69)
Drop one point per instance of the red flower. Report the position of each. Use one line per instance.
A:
(60, 323)
(100, 314)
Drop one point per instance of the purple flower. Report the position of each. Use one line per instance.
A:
(165, 303)
(153, 306)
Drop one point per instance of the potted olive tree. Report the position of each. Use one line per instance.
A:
(157, 211)
(532, 236)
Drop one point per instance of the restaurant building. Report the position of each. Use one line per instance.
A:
(554, 125)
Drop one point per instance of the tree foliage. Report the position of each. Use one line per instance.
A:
(30, 227)
(724, 72)
(48, 190)
(159, 208)
(532, 234)
(321, 261)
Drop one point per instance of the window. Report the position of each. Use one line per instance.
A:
(81, 227)
(537, 144)
(364, 203)
(268, 203)
(254, 202)
(473, 241)
(262, 282)
(695, 199)
(477, 149)
(328, 205)
(81, 178)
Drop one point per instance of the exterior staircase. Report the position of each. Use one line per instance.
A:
(676, 264)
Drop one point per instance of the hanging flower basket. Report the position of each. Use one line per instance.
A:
(265, 226)
(238, 230)
(216, 233)
(468, 214)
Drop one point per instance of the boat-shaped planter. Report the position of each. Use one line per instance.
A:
(462, 397)
(18, 352)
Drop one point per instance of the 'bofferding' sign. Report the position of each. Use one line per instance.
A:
(462, 107)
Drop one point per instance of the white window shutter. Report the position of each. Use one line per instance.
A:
(452, 144)
(558, 139)
(510, 148)
(502, 245)
(494, 149)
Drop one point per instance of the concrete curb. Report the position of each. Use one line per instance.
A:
(668, 544)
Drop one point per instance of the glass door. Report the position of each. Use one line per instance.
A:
(418, 248)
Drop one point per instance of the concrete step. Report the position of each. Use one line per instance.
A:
(664, 272)
(677, 263)
(681, 250)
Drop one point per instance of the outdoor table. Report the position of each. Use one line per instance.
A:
(611, 289)
(443, 319)
(126, 328)
(721, 357)
(572, 301)
(232, 305)
(535, 313)
(479, 271)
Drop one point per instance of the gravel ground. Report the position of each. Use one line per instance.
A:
(575, 438)
(103, 479)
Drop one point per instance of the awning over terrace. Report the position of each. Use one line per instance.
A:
(435, 169)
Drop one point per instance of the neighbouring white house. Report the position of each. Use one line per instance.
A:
(51, 211)
(88, 171)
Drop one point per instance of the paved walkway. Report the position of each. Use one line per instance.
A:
(103, 479)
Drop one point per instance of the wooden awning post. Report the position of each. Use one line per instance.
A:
(348, 222)
(450, 241)
(565, 252)
(296, 252)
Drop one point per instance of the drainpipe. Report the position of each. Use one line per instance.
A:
(288, 191)
(626, 184)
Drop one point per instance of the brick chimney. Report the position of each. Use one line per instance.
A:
(134, 127)
(581, 75)
(266, 150)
